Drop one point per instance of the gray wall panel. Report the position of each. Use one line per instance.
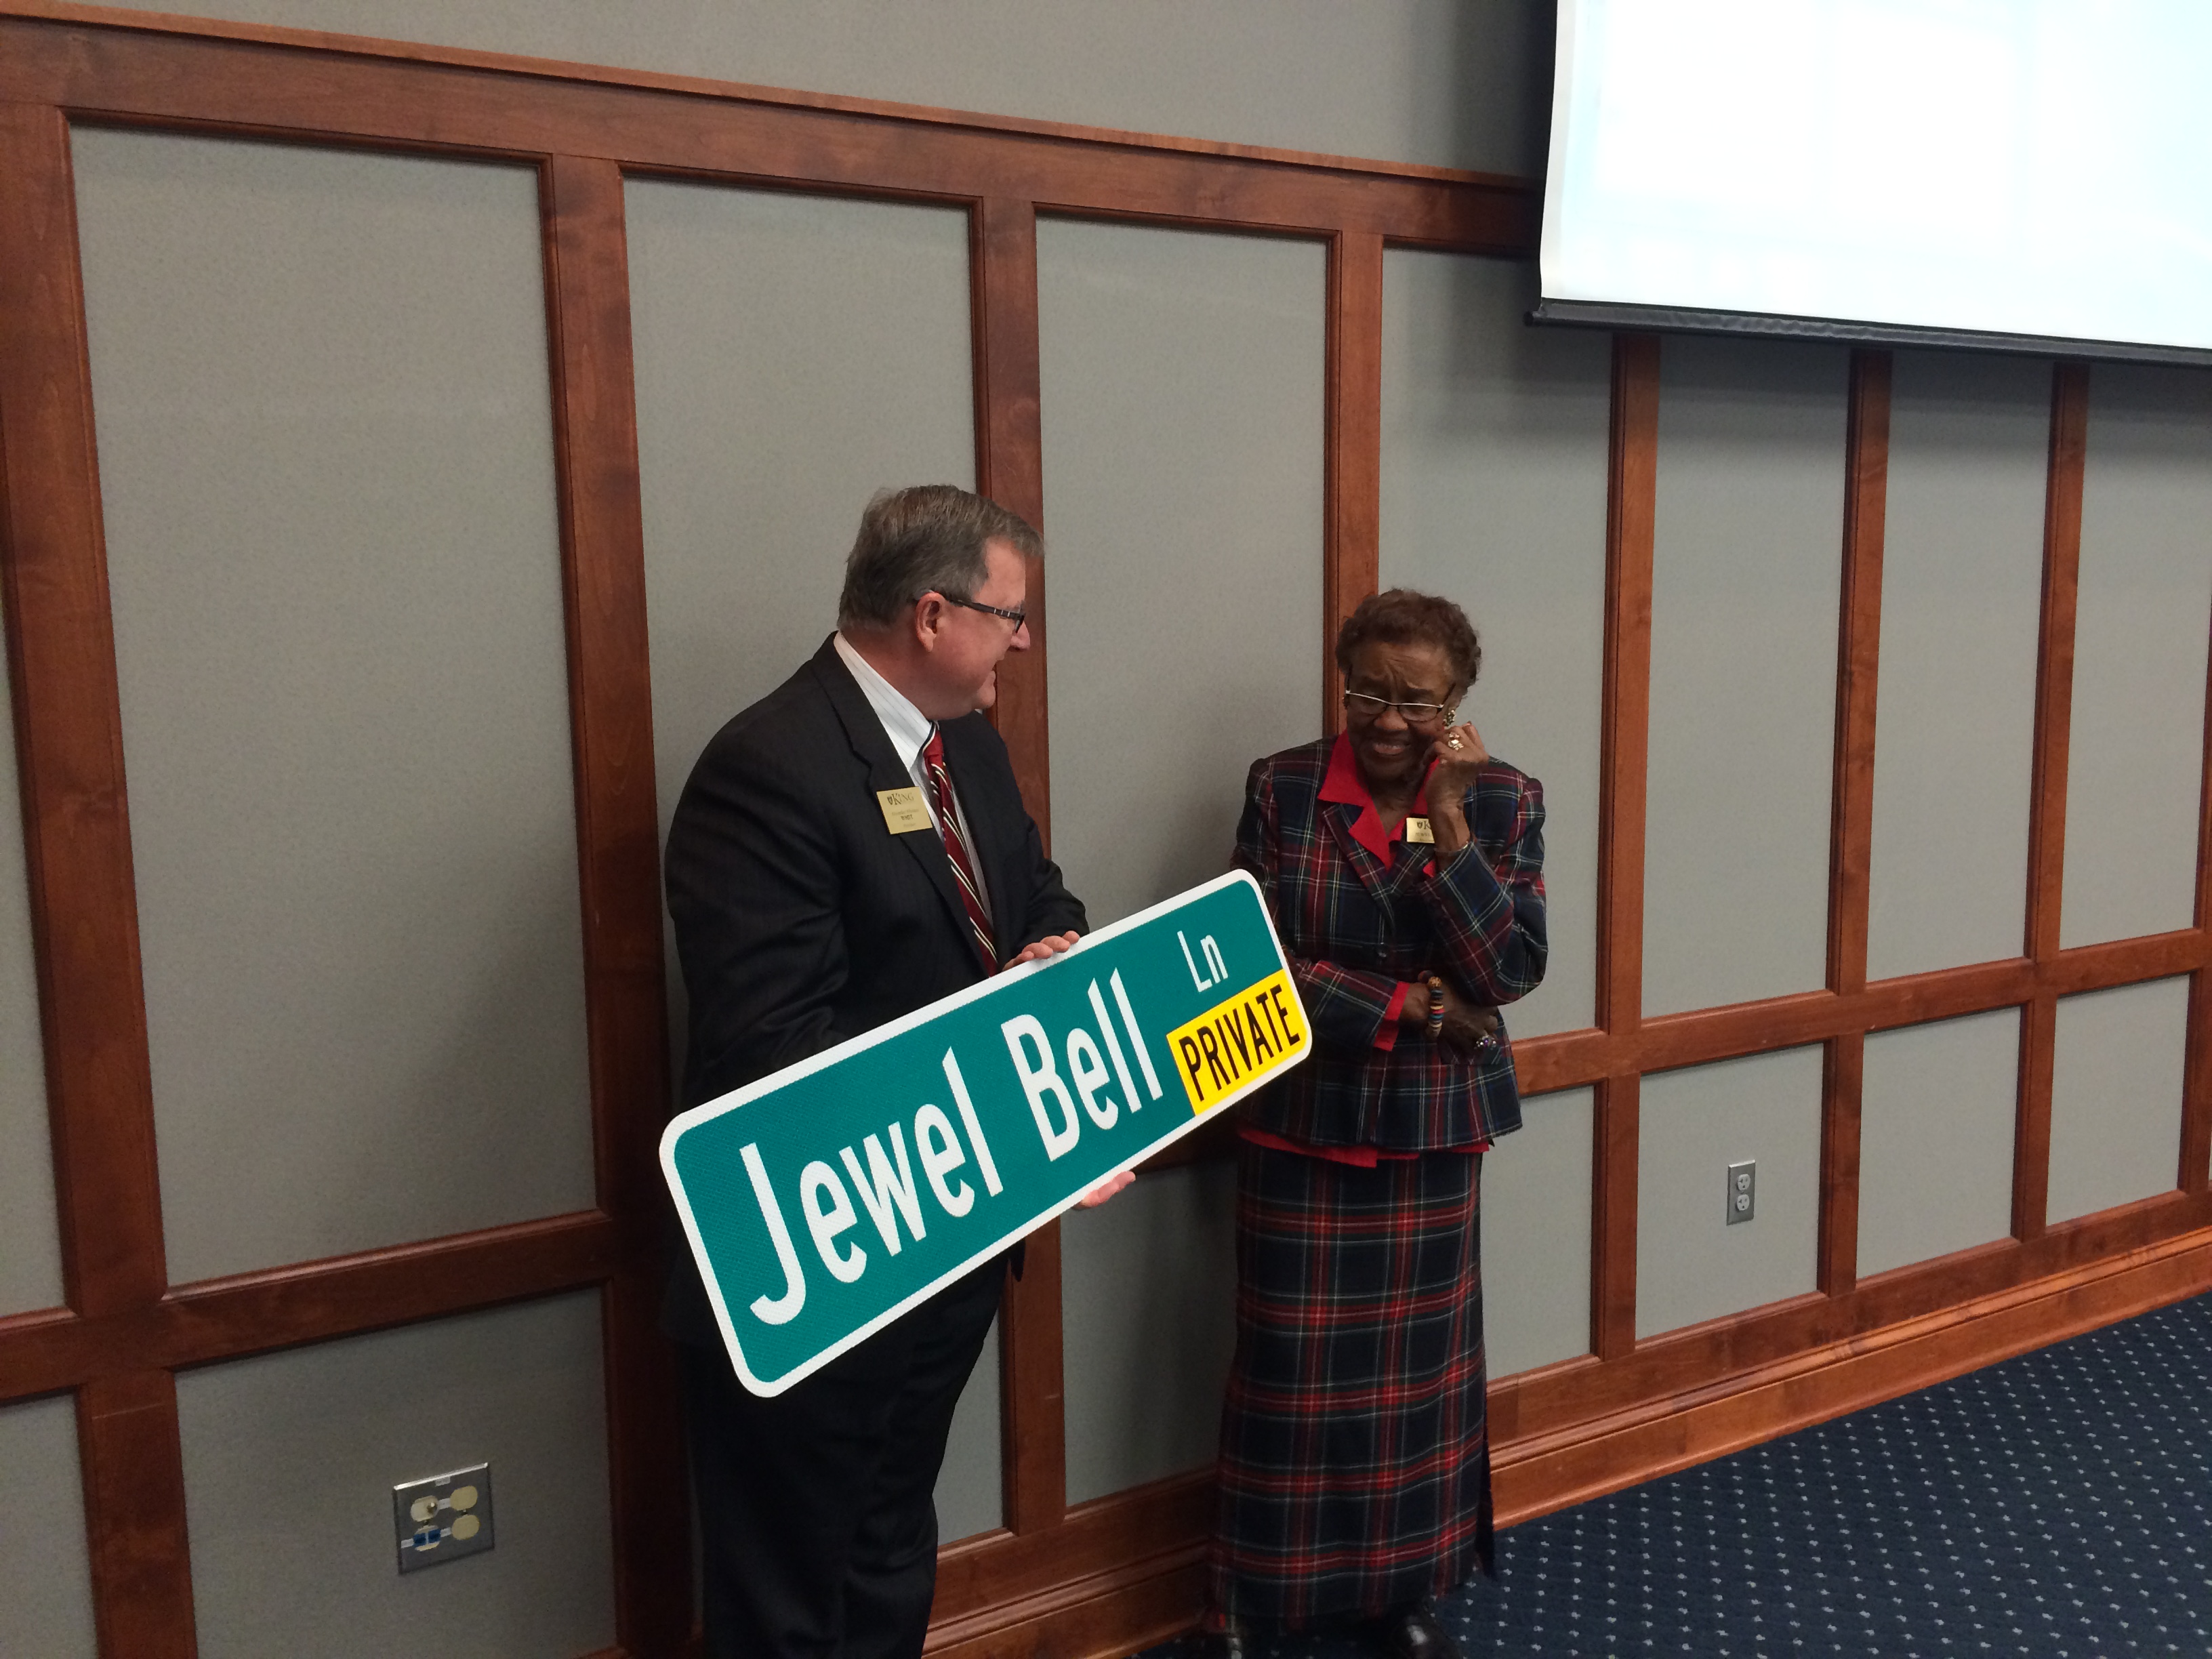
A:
(46, 1579)
(2137, 746)
(1494, 457)
(1452, 82)
(1690, 1264)
(30, 1248)
(1536, 1237)
(2116, 1097)
(326, 467)
(1935, 1139)
(1743, 671)
(1962, 592)
(290, 1459)
(969, 1497)
(1149, 1285)
(1182, 478)
(794, 354)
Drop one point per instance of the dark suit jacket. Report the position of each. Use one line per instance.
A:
(1356, 926)
(800, 919)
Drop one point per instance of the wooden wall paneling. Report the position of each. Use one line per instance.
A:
(1352, 537)
(610, 702)
(1544, 1474)
(331, 87)
(1866, 484)
(1708, 1355)
(1631, 503)
(1010, 469)
(134, 1503)
(2195, 1173)
(84, 917)
(306, 1301)
(2046, 835)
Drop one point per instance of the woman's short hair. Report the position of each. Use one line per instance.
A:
(1398, 615)
(927, 538)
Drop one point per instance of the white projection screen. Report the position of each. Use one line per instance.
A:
(2015, 174)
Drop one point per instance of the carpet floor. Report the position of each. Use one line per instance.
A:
(2057, 1503)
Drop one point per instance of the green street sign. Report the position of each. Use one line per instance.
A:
(824, 1202)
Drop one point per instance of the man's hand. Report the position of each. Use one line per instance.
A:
(1050, 945)
(1100, 1193)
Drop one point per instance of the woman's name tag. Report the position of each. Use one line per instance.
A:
(903, 811)
(1418, 831)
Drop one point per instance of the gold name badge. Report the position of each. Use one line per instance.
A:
(903, 811)
(1418, 831)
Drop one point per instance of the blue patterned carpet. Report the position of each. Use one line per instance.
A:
(2058, 1503)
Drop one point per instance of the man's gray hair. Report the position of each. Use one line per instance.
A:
(927, 538)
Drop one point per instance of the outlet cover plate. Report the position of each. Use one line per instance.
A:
(1742, 1192)
(443, 1518)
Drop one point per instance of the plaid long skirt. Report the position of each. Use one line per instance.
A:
(1355, 1457)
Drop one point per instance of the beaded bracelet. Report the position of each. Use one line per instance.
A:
(1436, 1006)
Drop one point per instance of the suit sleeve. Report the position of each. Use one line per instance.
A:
(1350, 1008)
(753, 886)
(1050, 908)
(1488, 902)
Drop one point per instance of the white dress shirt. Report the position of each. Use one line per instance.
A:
(908, 729)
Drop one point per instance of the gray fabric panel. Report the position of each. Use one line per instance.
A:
(2136, 744)
(290, 1459)
(46, 1579)
(327, 472)
(2116, 1097)
(1182, 478)
(1962, 593)
(1536, 1237)
(1449, 82)
(1691, 1264)
(1743, 671)
(1494, 459)
(969, 1497)
(794, 356)
(1935, 1139)
(1148, 1281)
(30, 1248)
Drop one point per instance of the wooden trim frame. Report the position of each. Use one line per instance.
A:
(1099, 1577)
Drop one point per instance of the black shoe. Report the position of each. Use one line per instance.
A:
(1231, 1641)
(1415, 1632)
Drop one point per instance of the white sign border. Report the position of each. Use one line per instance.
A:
(738, 1098)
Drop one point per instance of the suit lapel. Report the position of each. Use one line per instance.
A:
(1374, 874)
(866, 734)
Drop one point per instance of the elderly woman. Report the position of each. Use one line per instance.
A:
(1404, 868)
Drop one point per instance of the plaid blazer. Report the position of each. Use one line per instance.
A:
(1355, 927)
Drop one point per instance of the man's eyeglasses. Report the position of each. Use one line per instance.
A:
(1016, 617)
(1414, 714)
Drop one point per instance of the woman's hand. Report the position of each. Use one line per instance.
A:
(1458, 752)
(1468, 1026)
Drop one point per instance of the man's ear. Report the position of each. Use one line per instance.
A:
(927, 621)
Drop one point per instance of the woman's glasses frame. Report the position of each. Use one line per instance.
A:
(1363, 706)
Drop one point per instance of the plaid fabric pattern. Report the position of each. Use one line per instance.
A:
(1354, 1474)
(1356, 926)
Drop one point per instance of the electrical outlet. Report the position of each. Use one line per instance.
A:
(443, 1518)
(1742, 1191)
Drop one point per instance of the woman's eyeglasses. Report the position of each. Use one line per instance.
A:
(1414, 714)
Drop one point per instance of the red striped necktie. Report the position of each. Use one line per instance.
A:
(964, 870)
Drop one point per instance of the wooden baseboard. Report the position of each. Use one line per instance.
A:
(1124, 1608)
(1539, 1474)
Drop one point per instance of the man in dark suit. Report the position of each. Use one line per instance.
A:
(852, 847)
